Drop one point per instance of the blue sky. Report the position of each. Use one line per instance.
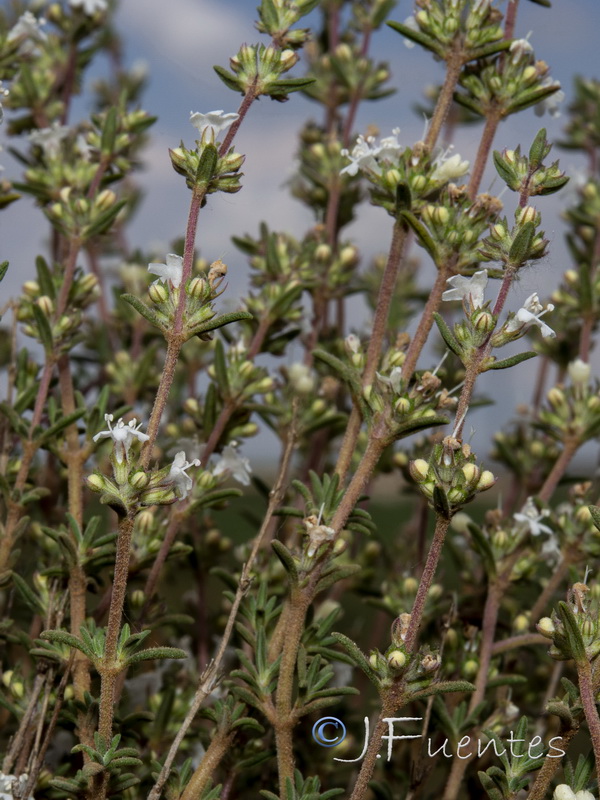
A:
(181, 40)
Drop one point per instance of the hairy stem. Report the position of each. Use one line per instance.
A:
(588, 700)
(433, 557)
(558, 470)
(219, 745)
(110, 669)
(209, 677)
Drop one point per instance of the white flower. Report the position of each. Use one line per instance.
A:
(389, 148)
(237, 466)
(552, 102)
(301, 378)
(551, 549)
(122, 435)
(394, 381)
(49, 139)
(28, 27)
(171, 271)
(449, 168)
(579, 372)
(352, 343)
(470, 289)
(411, 23)
(519, 48)
(6, 784)
(361, 157)
(217, 120)
(89, 6)
(530, 314)
(178, 475)
(563, 792)
(530, 517)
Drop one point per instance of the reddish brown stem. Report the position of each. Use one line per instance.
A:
(433, 557)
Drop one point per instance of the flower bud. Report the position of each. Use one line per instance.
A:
(528, 214)
(521, 623)
(158, 293)
(546, 627)
(396, 659)
(471, 472)
(579, 371)
(46, 305)
(31, 288)
(419, 469)
(137, 598)
(410, 585)
(287, 59)
(556, 398)
(373, 660)
(96, 482)
(470, 668)
(197, 288)
(105, 200)
(139, 480)
(145, 521)
(486, 481)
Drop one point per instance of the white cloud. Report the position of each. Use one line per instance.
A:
(188, 32)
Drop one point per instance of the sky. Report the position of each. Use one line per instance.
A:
(181, 40)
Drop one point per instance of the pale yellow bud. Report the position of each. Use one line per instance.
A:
(396, 659)
(546, 627)
(486, 481)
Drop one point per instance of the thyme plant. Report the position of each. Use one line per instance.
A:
(150, 646)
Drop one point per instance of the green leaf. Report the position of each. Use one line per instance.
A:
(43, 327)
(228, 79)
(103, 222)
(62, 637)
(506, 173)
(221, 369)
(357, 656)
(403, 198)
(422, 234)
(440, 502)
(418, 37)
(538, 150)
(219, 322)
(444, 687)
(595, 512)
(484, 549)
(207, 164)
(3, 268)
(45, 278)
(447, 335)
(287, 85)
(109, 132)
(28, 594)
(338, 574)
(157, 652)
(18, 424)
(544, 3)
(504, 363)
(519, 250)
(143, 310)
(63, 422)
(574, 637)
(287, 559)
